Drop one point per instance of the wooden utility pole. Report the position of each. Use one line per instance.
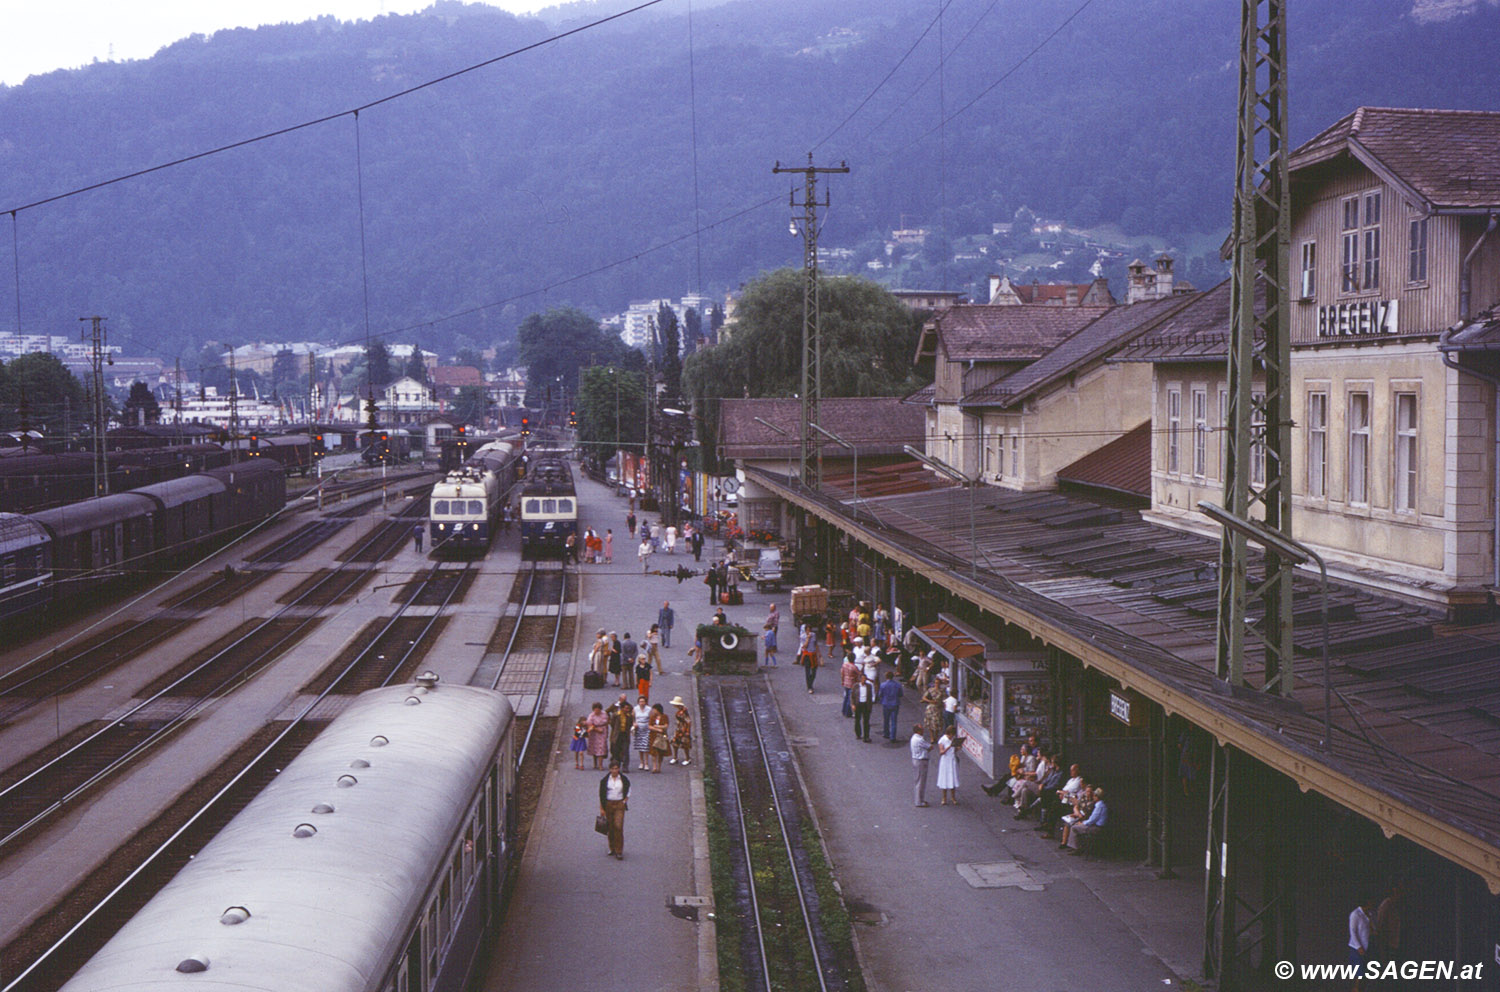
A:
(812, 351)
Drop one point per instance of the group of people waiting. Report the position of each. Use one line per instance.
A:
(627, 661)
(644, 728)
(1038, 784)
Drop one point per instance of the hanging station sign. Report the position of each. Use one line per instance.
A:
(1365, 318)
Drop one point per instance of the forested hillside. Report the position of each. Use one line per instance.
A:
(518, 187)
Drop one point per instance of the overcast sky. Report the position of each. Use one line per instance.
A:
(38, 36)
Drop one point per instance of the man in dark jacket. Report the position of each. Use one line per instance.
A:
(621, 723)
(614, 793)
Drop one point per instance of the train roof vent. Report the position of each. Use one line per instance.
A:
(428, 679)
(359, 763)
(379, 740)
(412, 701)
(194, 964)
(322, 808)
(304, 830)
(347, 781)
(234, 916)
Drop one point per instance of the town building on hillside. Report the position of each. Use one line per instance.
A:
(1393, 395)
(408, 403)
(1003, 292)
(447, 380)
(929, 299)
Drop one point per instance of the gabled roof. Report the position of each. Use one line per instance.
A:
(875, 425)
(997, 333)
(456, 376)
(1123, 465)
(1447, 160)
(1117, 326)
(1199, 332)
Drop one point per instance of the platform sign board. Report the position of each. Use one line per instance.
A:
(1126, 707)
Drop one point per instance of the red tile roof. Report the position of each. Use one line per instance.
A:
(455, 376)
(1123, 465)
(1112, 331)
(985, 332)
(1450, 158)
(873, 424)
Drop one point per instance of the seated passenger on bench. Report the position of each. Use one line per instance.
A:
(1097, 819)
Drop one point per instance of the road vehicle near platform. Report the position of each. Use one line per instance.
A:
(464, 508)
(373, 862)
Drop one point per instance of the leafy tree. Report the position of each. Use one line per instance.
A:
(39, 393)
(670, 359)
(868, 339)
(378, 364)
(472, 405)
(692, 330)
(715, 321)
(555, 345)
(416, 368)
(471, 358)
(140, 406)
(611, 411)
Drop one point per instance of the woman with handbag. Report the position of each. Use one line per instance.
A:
(682, 740)
(657, 724)
(614, 793)
(808, 655)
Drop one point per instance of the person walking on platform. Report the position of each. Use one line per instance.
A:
(848, 676)
(770, 629)
(671, 537)
(808, 655)
(890, 705)
(643, 554)
(598, 731)
(921, 749)
(682, 739)
(864, 704)
(712, 579)
(416, 537)
(614, 796)
(697, 544)
(630, 524)
(609, 547)
(665, 618)
(653, 647)
(630, 653)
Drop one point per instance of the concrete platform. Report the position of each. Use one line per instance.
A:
(579, 919)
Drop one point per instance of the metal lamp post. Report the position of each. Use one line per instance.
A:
(1298, 554)
(846, 445)
(938, 465)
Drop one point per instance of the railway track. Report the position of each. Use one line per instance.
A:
(533, 635)
(783, 944)
(191, 824)
(64, 670)
(47, 787)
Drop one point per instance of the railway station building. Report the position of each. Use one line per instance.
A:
(1077, 597)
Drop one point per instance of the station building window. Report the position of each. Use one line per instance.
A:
(1359, 449)
(1174, 427)
(1317, 444)
(1416, 252)
(1405, 455)
(1200, 432)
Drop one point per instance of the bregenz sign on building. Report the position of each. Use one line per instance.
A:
(1367, 317)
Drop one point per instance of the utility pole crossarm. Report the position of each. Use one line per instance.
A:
(812, 354)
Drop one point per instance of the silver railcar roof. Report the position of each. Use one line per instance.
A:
(328, 912)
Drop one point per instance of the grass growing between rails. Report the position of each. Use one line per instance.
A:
(721, 859)
(790, 960)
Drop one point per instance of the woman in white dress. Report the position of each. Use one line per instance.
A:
(947, 777)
